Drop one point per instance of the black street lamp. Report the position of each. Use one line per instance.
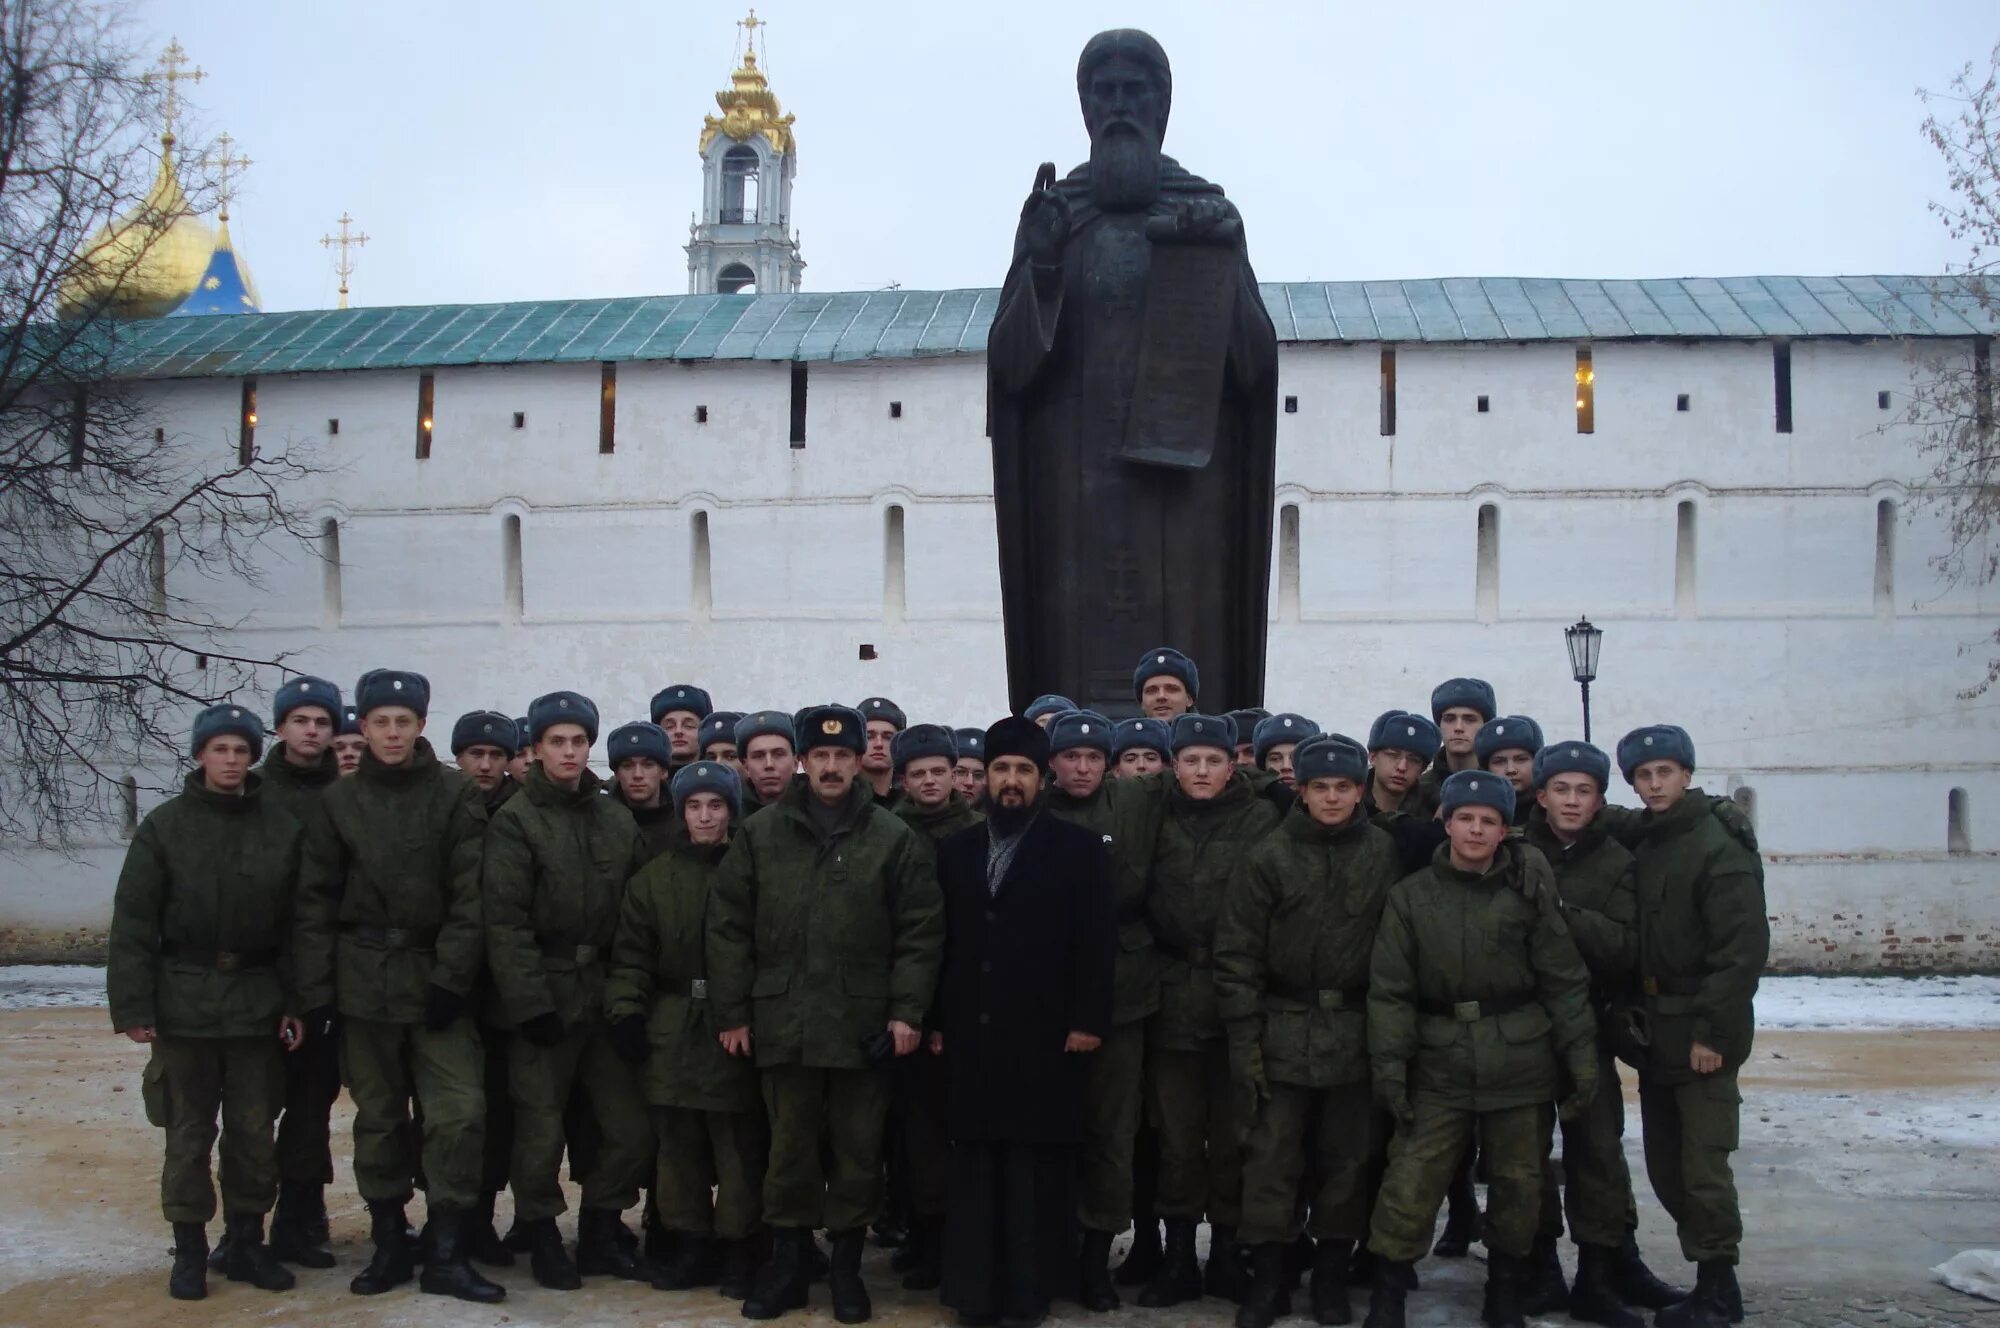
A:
(1583, 641)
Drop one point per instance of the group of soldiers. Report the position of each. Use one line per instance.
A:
(1351, 979)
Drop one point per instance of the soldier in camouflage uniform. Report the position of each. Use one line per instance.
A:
(1399, 744)
(1476, 997)
(557, 859)
(1139, 747)
(299, 766)
(679, 708)
(1594, 877)
(825, 936)
(639, 755)
(1211, 820)
(1458, 707)
(1123, 817)
(1704, 937)
(1275, 739)
(1292, 951)
(1507, 746)
(718, 740)
(708, 1119)
(932, 805)
(389, 935)
(197, 971)
(348, 744)
(969, 770)
(769, 747)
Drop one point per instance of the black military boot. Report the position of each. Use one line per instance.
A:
(1461, 1219)
(1142, 1261)
(1329, 1282)
(1505, 1276)
(1635, 1283)
(599, 1250)
(1385, 1299)
(1227, 1277)
(813, 1259)
(547, 1259)
(1543, 1290)
(1594, 1299)
(926, 1250)
(1299, 1257)
(250, 1259)
(391, 1265)
(1709, 1304)
(189, 1279)
(1094, 1290)
(482, 1240)
(1268, 1300)
(657, 1245)
(843, 1279)
(781, 1283)
(218, 1258)
(446, 1272)
(692, 1264)
(319, 1230)
(739, 1269)
(1179, 1277)
(292, 1225)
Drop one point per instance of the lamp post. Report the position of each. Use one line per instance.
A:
(1583, 641)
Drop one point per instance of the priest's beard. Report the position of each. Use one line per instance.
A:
(1124, 169)
(1009, 821)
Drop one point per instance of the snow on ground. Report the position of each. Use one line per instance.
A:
(1782, 1003)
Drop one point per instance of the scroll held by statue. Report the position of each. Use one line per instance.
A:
(1191, 289)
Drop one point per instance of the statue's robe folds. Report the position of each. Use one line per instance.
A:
(1101, 557)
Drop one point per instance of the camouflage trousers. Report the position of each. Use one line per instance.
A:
(700, 1151)
(188, 1083)
(845, 1108)
(1342, 1134)
(1425, 1153)
(1691, 1129)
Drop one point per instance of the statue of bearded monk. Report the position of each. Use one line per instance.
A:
(1113, 540)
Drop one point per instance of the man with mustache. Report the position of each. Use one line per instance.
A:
(825, 933)
(1110, 543)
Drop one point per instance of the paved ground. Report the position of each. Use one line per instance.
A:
(1868, 1157)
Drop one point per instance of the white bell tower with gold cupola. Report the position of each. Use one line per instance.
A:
(743, 240)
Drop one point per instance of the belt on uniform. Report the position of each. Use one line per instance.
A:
(396, 938)
(581, 954)
(222, 961)
(1191, 954)
(1327, 998)
(1670, 986)
(695, 989)
(1471, 1012)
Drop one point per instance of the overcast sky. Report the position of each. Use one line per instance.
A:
(510, 151)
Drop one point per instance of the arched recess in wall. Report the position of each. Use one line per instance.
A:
(1958, 822)
(1486, 589)
(1684, 559)
(329, 572)
(1885, 558)
(128, 805)
(513, 579)
(1288, 563)
(701, 586)
(894, 585)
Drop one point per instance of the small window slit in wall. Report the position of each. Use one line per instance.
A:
(1486, 590)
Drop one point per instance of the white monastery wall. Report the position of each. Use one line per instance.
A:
(1818, 675)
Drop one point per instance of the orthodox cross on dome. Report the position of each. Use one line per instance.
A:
(173, 70)
(750, 26)
(224, 164)
(345, 243)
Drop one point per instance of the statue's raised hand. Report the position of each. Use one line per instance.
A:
(1045, 220)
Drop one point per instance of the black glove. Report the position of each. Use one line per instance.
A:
(879, 1048)
(544, 1030)
(628, 1035)
(442, 1008)
(321, 1022)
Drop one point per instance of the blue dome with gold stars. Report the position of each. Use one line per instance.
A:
(225, 287)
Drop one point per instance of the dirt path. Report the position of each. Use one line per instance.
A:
(1867, 1158)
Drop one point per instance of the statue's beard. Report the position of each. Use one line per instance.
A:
(1124, 169)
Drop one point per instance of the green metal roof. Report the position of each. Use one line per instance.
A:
(899, 324)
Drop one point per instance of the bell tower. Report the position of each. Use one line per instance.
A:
(743, 239)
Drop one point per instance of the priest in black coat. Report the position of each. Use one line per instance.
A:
(1026, 995)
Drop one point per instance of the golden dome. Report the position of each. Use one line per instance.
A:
(749, 107)
(148, 260)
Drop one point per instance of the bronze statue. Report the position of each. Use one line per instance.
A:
(1133, 376)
